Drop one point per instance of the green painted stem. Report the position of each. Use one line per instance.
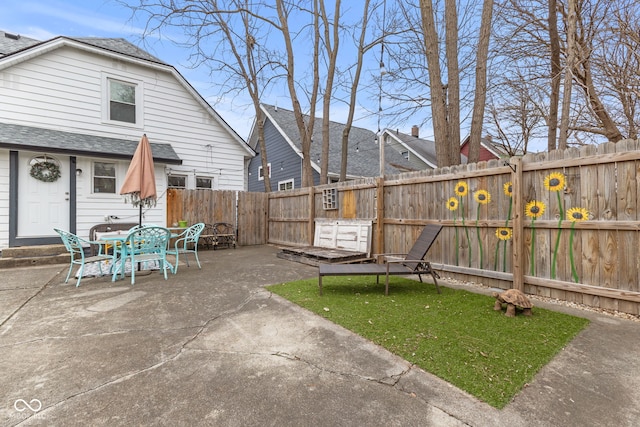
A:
(506, 224)
(533, 247)
(555, 252)
(574, 273)
(466, 230)
(479, 238)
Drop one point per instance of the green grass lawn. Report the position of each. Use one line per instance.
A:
(455, 335)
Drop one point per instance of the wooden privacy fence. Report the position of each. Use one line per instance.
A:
(505, 222)
(246, 211)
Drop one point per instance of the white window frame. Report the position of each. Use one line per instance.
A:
(106, 100)
(210, 178)
(284, 183)
(93, 177)
(261, 174)
(177, 175)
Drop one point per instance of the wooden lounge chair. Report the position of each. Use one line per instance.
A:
(412, 263)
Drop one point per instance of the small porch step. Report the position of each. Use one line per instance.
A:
(25, 256)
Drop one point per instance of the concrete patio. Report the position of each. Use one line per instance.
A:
(213, 347)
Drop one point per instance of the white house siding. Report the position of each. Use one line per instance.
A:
(4, 198)
(63, 90)
(92, 207)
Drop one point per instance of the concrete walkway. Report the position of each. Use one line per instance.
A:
(212, 347)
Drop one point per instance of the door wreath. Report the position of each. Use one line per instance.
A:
(45, 171)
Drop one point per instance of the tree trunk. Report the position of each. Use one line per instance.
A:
(438, 90)
(453, 75)
(568, 74)
(481, 82)
(556, 75)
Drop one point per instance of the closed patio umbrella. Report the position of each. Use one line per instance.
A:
(139, 186)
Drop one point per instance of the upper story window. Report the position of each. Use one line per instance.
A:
(122, 101)
(261, 172)
(104, 177)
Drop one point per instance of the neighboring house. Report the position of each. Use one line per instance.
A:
(489, 150)
(284, 152)
(83, 104)
(421, 153)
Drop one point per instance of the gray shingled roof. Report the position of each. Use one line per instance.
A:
(13, 42)
(423, 147)
(118, 45)
(363, 153)
(10, 43)
(53, 141)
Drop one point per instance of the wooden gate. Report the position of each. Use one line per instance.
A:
(246, 211)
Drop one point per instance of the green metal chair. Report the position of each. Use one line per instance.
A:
(183, 243)
(143, 245)
(74, 245)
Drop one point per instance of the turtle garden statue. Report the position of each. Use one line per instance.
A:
(513, 298)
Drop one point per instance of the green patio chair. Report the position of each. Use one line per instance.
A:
(187, 242)
(143, 245)
(76, 247)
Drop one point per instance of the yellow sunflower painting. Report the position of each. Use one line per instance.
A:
(534, 209)
(462, 188)
(482, 196)
(577, 214)
(452, 204)
(508, 189)
(504, 233)
(555, 181)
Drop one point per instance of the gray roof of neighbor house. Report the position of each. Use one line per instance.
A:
(423, 147)
(363, 151)
(19, 137)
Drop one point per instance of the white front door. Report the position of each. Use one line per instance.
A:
(42, 206)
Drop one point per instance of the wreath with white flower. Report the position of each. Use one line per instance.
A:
(45, 171)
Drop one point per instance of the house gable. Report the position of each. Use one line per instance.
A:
(363, 148)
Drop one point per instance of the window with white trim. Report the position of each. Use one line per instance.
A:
(261, 172)
(203, 182)
(122, 101)
(285, 185)
(177, 181)
(104, 178)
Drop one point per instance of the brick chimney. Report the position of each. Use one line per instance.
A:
(415, 131)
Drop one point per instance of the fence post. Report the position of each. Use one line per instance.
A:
(380, 214)
(518, 223)
(312, 213)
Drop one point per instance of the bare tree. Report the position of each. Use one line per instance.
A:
(229, 38)
(572, 18)
(556, 75)
(481, 82)
(445, 105)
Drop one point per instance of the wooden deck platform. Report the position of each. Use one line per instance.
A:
(313, 255)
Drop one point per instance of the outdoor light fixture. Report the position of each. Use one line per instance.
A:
(78, 172)
(383, 70)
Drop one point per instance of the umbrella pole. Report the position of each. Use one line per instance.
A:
(140, 224)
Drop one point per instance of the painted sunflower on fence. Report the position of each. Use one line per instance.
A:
(461, 190)
(482, 197)
(534, 210)
(575, 215)
(508, 191)
(452, 205)
(555, 182)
